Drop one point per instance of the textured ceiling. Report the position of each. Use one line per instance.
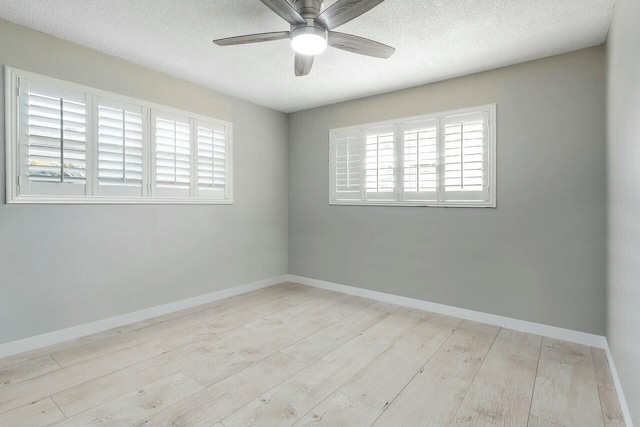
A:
(435, 40)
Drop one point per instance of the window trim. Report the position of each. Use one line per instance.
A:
(12, 149)
(399, 123)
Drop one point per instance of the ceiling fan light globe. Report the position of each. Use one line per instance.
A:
(309, 40)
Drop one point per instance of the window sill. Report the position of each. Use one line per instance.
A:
(459, 204)
(38, 200)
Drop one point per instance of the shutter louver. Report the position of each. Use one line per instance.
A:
(464, 157)
(347, 165)
(56, 140)
(420, 160)
(212, 159)
(120, 152)
(380, 159)
(172, 157)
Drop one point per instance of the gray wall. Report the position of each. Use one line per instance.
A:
(539, 256)
(623, 152)
(65, 265)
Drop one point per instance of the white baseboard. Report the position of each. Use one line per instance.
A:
(55, 337)
(477, 316)
(616, 380)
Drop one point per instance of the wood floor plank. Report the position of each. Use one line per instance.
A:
(231, 358)
(43, 351)
(336, 312)
(429, 400)
(374, 386)
(216, 402)
(434, 395)
(611, 410)
(324, 301)
(394, 326)
(91, 350)
(41, 413)
(138, 404)
(229, 351)
(270, 334)
(539, 422)
(518, 343)
(16, 395)
(500, 395)
(386, 307)
(444, 320)
(601, 367)
(23, 371)
(276, 323)
(328, 339)
(21, 357)
(105, 338)
(566, 390)
(97, 391)
(340, 410)
(82, 397)
(237, 355)
(289, 401)
(328, 306)
(236, 316)
(463, 353)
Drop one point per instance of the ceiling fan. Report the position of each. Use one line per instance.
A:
(311, 30)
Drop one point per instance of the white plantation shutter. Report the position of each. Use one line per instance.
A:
(443, 159)
(464, 157)
(420, 160)
(380, 163)
(74, 144)
(120, 149)
(172, 155)
(347, 165)
(54, 140)
(212, 160)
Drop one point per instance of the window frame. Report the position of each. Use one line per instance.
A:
(93, 95)
(400, 124)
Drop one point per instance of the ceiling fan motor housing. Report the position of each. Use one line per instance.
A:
(313, 29)
(308, 9)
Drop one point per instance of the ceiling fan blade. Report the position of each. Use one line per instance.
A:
(360, 45)
(344, 11)
(253, 38)
(285, 10)
(303, 64)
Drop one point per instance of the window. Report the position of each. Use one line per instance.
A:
(68, 143)
(444, 159)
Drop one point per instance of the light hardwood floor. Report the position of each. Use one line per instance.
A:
(295, 355)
